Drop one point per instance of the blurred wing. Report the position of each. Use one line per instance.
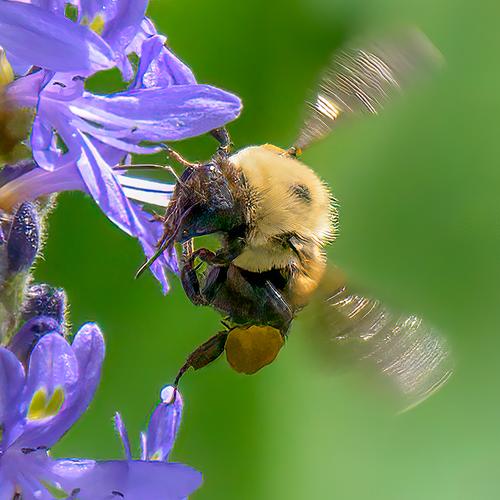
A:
(409, 354)
(361, 78)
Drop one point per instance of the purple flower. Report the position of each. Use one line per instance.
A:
(79, 137)
(34, 35)
(39, 404)
(150, 477)
(26, 183)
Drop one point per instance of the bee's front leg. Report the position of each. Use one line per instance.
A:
(223, 256)
(189, 278)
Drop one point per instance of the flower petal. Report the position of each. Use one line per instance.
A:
(164, 425)
(122, 432)
(24, 91)
(42, 140)
(148, 240)
(11, 172)
(56, 6)
(121, 28)
(159, 67)
(103, 185)
(7, 487)
(120, 21)
(134, 480)
(24, 341)
(11, 387)
(88, 346)
(51, 389)
(42, 38)
(75, 370)
(39, 182)
(159, 114)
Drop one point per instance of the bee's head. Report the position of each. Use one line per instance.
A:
(206, 200)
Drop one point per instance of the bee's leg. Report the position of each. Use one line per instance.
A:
(203, 355)
(279, 307)
(190, 281)
(223, 138)
(189, 274)
(224, 256)
(229, 252)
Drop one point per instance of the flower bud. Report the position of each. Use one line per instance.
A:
(24, 239)
(44, 300)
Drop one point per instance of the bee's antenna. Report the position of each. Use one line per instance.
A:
(164, 243)
(178, 157)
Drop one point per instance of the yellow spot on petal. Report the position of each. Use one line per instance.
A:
(250, 349)
(6, 72)
(55, 403)
(97, 24)
(38, 404)
(55, 490)
(157, 455)
(43, 407)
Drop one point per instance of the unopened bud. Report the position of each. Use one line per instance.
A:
(23, 239)
(44, 300)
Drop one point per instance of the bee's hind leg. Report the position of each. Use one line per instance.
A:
(204, 354)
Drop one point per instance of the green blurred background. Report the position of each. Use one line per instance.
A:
(419, 192)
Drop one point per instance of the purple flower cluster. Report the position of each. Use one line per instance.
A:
(46, 384)
(43, 393)
(83, 141)
(79, 137)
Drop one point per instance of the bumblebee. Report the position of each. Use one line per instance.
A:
(274, 217)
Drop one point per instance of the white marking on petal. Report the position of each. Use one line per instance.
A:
(146, 191)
